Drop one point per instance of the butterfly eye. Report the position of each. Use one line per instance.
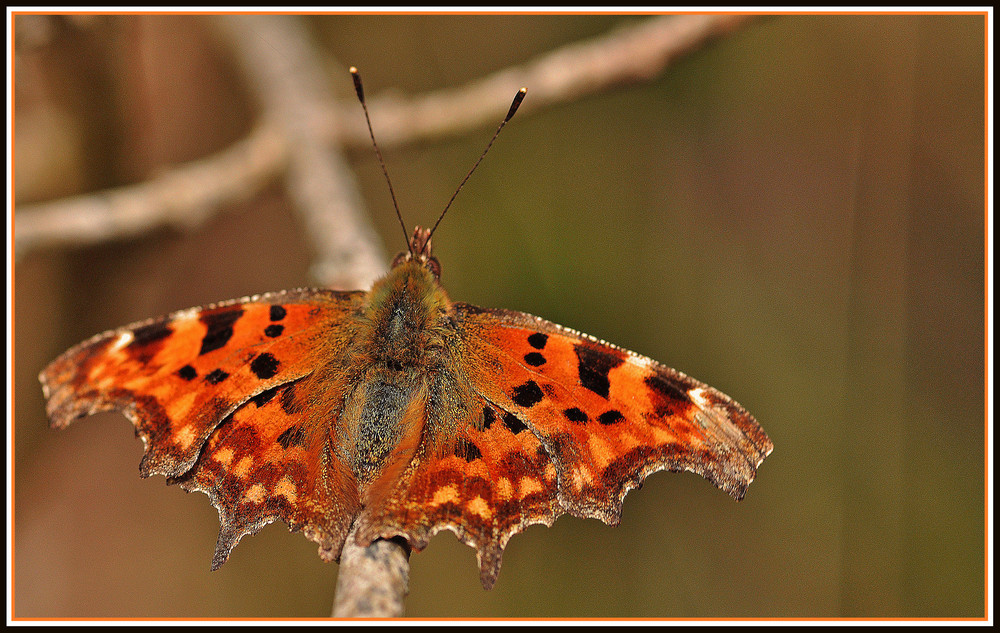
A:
(434, 266)
(399, 259)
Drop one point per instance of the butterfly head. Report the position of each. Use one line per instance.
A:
(420, 252)
(419, 246)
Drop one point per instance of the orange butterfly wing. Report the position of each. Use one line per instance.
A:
(560, 422)
(610, 417)
(494, 480)
(523, 421)
(210, 391)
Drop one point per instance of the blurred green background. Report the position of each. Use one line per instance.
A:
(793, 214)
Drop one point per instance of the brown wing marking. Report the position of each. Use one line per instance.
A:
(488, 483)
(262, 464)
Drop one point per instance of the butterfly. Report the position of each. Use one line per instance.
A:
(397, 412)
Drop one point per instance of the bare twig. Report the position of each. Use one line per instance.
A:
(278, 58)
(184, 197)
(373, 580)
(637, 52)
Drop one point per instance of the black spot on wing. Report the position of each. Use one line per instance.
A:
(488, 417)
(534, 359)
(666, 396)
(142, 336)
(538, 340)
(467, 450)
(666, 388)
(264, 397)
(216, 376)
(274, 331)
(220, 328)
(187, 372)
(593, 366)
(527, 395)
(292, 436)
(576, 415)
(278, 312)
(264, 366)
(513, 424)
(610, 417)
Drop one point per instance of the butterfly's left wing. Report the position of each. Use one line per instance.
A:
(212, 393)
(607, 417)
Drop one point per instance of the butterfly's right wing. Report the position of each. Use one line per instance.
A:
(608, 417)
(552, 421)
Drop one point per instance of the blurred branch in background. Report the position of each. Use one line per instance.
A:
(285, 74)
(284, 71)
(298, 138)
(183, 197)
(632, 53)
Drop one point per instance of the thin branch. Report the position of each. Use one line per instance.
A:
(372, 581)
(637, 52)
(183, 197)
(277, 56)
(633, 53)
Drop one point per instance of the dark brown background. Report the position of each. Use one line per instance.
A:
(794, 214)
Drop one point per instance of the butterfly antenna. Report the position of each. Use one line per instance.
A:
(518, 98)
(361, 97)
